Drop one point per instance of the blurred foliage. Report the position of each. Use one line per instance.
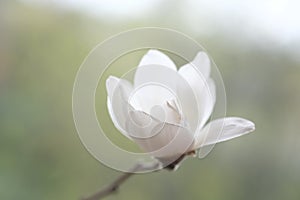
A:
(41, 49)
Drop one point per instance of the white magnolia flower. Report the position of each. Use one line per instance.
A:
(165, 111)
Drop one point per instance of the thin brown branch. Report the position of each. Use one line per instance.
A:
(114, 186)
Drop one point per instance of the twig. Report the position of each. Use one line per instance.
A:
(114, 186)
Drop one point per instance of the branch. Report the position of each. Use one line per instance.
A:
(114, 186)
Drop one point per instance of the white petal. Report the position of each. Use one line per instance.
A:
(155, 74)
(118, 91)
(155, 67)
(200, 66)
(202, 63)
(155, 57)
(155, 85)
(206, 102)
(158, 139)
(114, 118)
(170, 80)
(188, 103)
(139, 124)
(222, 130)
(197, 74)
(157, 102)
(174, 114)
(111, 85)
(171, 141)
(150, 95)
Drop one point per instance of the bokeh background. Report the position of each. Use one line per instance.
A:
(255, 45)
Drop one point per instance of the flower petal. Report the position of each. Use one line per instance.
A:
(158, 74)
(155, 57)
(150, 95)
(139, 124)
(158, 139)
(222, 130)
(206, 103)
(171, 141)
(115, 85)
(173, 82)
(118, 91)
(155, 67)
(202, 63)
(197, 74)
(155, 88)
(200, 66)
(158, 102)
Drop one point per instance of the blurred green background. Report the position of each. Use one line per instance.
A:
(43, 43)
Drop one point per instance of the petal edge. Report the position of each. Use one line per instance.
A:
(221, 130)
